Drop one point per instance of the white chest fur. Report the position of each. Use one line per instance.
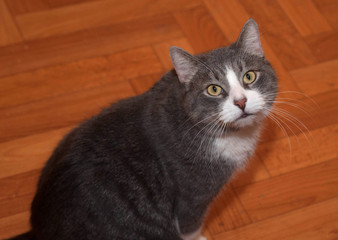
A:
(237, 147)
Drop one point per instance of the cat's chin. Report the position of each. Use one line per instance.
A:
(247, 120)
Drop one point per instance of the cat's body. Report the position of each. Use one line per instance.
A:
(149, 166)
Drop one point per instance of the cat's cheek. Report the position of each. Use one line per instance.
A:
(255, 102)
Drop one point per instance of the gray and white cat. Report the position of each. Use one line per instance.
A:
(149, 166)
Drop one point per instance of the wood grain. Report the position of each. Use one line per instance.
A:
(18, 7)
(221, 218)
(61, 61)
(28, 153)
(85, 44)
(15, 224)
(63, 111)
(93, 14)
(143, 84)
(162, 50)
(324, 46)
(297, 115)
(255, 171)
(84, 74)
(329, 9)
(305, 16)
(201, 29)
(316, 222)
(62, 3)
(289, 46)
(9, 33)
(300, 151)
(316, 183)
(316, 79)
(231, 22)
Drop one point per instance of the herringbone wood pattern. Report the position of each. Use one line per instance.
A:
(63, 60)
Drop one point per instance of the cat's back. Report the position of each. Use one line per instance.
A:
(100, 171)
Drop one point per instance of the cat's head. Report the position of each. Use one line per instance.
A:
(234, 84)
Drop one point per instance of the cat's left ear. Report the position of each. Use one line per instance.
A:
(249, 40)
(184, 63)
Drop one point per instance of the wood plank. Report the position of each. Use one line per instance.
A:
(75, 76)
(212, 222)
(17, 192)
(14, 225)
(329, 9)
(15, 205)
(93, 14)
(229, 15)
(285, 81)
(226, 213)
(27, 154)
(316, 222)
(254, 171)
(289, 46)
(207, 234)
(18, 7)
(324, 45)
(62, 3)
(319, 78)
(299, 11)
(318, 146)
(162, 50)
(9, 33)
(85, 44)
(19, 185)
(307, 113)
(290, 191)
(200, 29)
(143, 84)
(63, 111)
(233, 214)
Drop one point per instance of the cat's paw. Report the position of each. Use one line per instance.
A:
(202, 238)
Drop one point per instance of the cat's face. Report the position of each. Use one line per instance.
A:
(234, 86)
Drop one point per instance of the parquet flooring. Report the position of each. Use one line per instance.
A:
(61, 61)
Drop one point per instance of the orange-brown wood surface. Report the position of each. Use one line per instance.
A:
(61, 61)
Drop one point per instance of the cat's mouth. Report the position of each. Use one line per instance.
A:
(244, 115)
(243, 120)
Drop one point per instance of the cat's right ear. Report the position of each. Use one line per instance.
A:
(184, 64)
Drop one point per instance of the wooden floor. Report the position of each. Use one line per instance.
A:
(61, 61)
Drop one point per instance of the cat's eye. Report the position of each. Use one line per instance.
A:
(215, 90)
(249, 77)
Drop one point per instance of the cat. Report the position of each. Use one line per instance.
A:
(149, 166)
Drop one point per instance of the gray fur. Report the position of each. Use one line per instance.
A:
(144, 168)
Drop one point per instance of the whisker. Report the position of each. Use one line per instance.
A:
(286, 115)
(296, 92)
(213, 115)
(293, 105)
(275, 120)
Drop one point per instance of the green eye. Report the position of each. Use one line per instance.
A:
(215, 90)
(249, 77)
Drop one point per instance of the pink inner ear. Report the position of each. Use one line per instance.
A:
(258, 47)
(183, 73)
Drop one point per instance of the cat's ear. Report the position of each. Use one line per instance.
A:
(249, 40)
(184, 64)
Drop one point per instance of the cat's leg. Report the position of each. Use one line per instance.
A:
(194, 235)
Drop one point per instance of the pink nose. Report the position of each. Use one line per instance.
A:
(240, 103)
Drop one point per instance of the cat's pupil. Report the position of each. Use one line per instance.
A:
(248, 76)
(214, 88)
